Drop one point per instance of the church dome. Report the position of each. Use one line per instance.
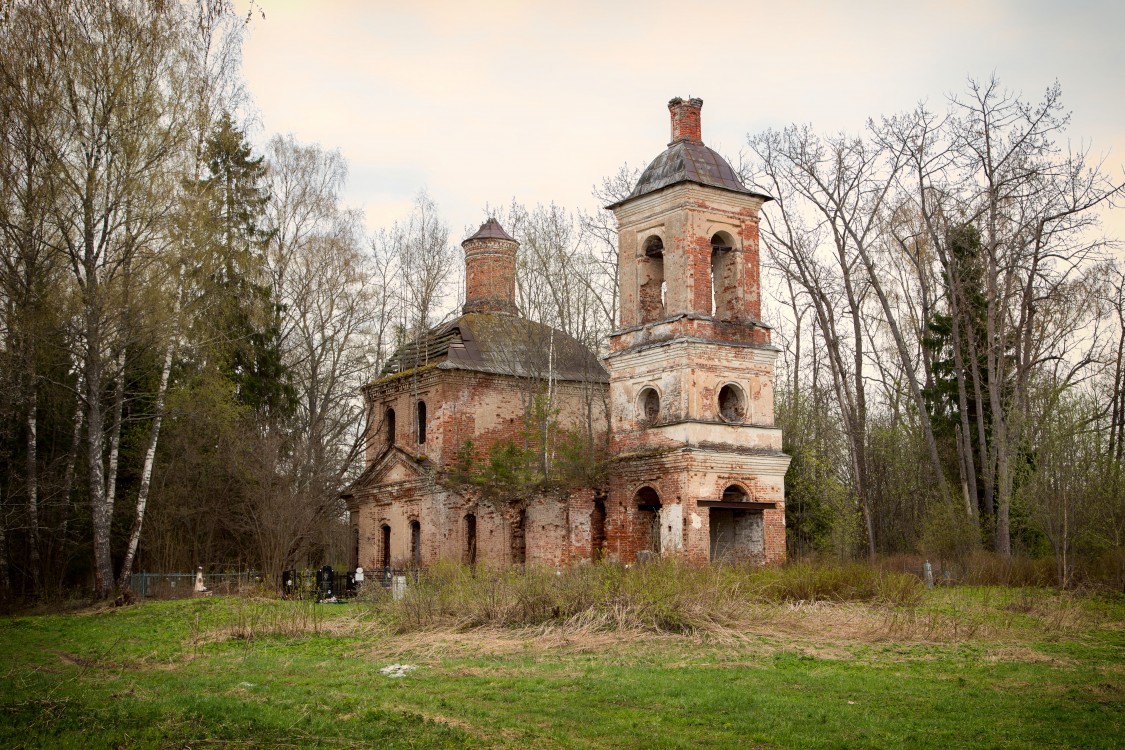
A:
(688, 161)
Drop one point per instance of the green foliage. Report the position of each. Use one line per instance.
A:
(235, 309)
(821, 512)
(509, 472)
(579, 461)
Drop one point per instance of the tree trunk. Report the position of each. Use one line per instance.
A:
(5, 577)
(100, 513)
(60, 538)
(33, 482)
(146, 469)
(115, 432)
(911, 375)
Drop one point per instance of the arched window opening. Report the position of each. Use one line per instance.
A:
(653, 290)
(648, 522)
(724, 282)
(519, 538)
(648, 407)
(389, 419)
(597, 530)
(735, 494)
(421, 422)
(470, 539)
(386, 546)
(732, 403)
(416, 544)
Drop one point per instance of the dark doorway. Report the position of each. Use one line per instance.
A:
(519, 538)
(416, 544)
(597, 530)
(648, 520)
(470, 539)
(386, 546)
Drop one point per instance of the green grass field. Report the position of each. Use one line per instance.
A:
(961, 667)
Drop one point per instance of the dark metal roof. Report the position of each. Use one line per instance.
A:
(490, 229)
(688, 161)
(501, 344)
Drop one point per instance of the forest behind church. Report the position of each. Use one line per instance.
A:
(186, 319)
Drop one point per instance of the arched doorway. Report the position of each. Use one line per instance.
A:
(647, 502)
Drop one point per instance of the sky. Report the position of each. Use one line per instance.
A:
(482, 102)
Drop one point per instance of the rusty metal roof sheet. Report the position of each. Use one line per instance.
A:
(688, 161)
(501, 344)
(490, 229)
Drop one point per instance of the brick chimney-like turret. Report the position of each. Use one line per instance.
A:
(685, 120)
(490, 270)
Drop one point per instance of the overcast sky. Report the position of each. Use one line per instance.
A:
(482, 102)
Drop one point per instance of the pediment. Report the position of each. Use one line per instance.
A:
(397, 471)
(393, 467)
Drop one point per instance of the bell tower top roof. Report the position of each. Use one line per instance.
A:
(686, 159)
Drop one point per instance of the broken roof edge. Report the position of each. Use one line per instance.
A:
(559, 377)
(765, 198)
(498, 343)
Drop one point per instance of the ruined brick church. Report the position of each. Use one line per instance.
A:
(683, 399)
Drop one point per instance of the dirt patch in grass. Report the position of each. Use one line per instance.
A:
(434, 645)
(437, 718)
(1027, 655)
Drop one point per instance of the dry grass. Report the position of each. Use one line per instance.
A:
(502, 610)
(661, 597)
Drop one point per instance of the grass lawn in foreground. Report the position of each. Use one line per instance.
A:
(981, 668)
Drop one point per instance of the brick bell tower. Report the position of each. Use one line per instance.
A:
(698, 470)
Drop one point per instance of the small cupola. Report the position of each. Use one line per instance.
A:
(686, 120)
(490, 270)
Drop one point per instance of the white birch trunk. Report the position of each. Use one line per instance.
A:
(146, 469)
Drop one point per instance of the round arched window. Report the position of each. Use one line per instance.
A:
(648, 406)
(732, 403)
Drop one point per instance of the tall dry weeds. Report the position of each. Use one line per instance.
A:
(663, 596)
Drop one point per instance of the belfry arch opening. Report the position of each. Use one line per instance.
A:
(389, 420)
(724, 280)
(653, 289)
